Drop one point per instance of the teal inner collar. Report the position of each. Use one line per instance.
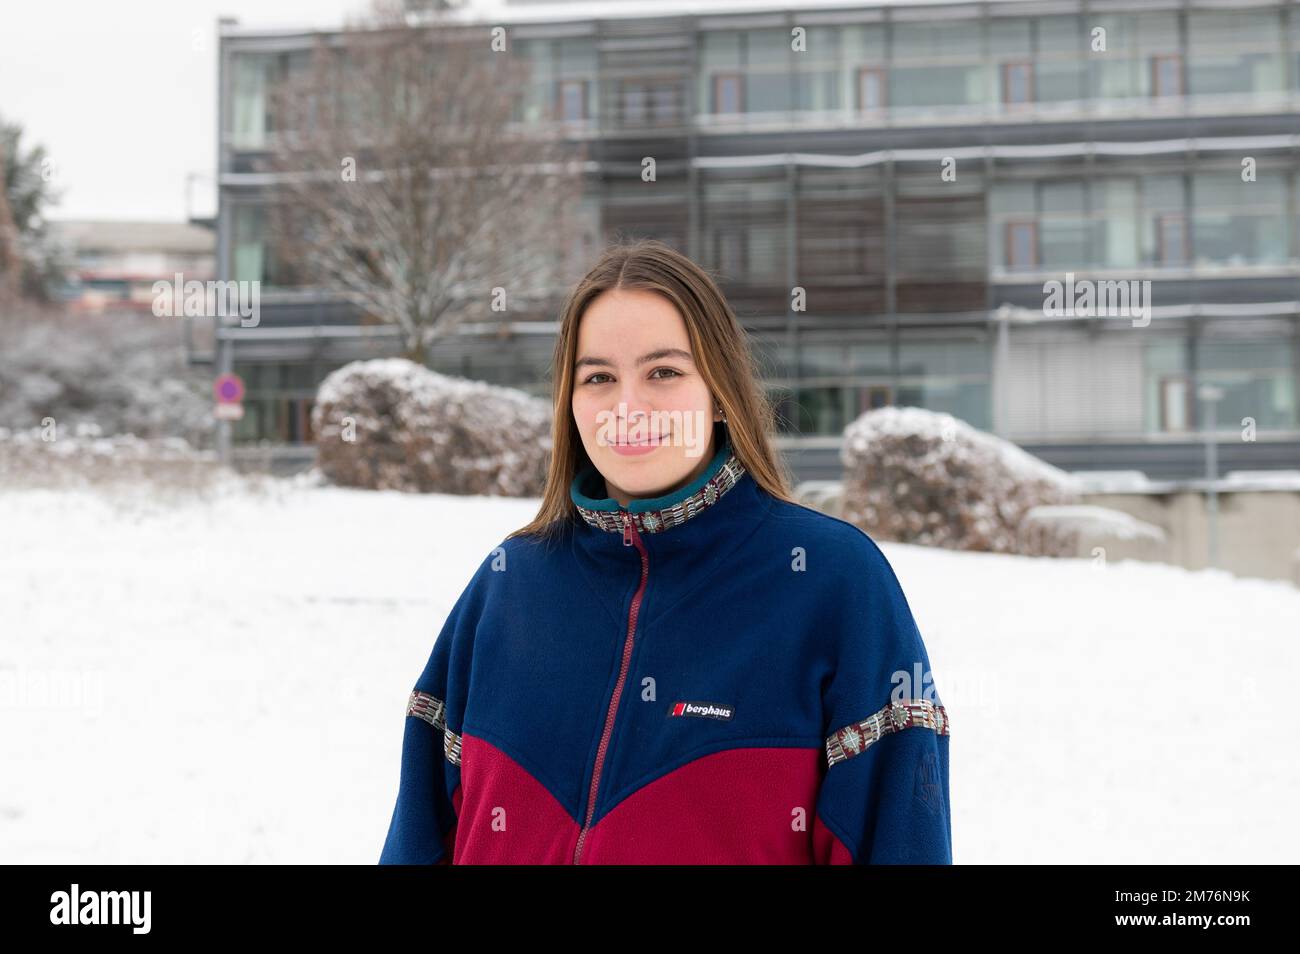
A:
(590, 482)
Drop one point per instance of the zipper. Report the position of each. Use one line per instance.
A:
(630, 537)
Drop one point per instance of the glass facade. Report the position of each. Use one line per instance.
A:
(1258, 379)
(253, 77)
(948, 68)
(1236, 222)
(1209, 218)
(883, 245)
(1235, 52)
(999, 65)
(278, 399)
(1257, 376)
(938, 67)
(562, 80)
(253, 255)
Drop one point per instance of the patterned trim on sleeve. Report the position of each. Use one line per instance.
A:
(434, 711)
(894, 717)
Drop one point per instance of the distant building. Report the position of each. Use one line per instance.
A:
(820, 168)
(115, 264)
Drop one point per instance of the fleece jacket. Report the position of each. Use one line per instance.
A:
(714, 676)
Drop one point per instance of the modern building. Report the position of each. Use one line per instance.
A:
(115, 263)
(920, 171)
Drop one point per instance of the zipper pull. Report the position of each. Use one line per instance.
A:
(627, 530)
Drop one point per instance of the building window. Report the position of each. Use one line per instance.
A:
(1017, 83)
(1021, 243)
(254, 79)
(729, 253)
(938, 67)
(248, 101)
(278, 402)
(1239, 223)
(1175, 414)
(255, 254)
(248, 241)
(1060, 63)
(664, 103)
(635, 107)
(572, 100)
(727, 93)
(648, 103)
(1257, 376)
(1167, 75)
(1171, 238)
(1235, 52)
(873, 396)
(871, 88)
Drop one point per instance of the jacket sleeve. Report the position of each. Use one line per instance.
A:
(422, 828)
(883, 797)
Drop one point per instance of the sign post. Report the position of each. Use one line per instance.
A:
(229, 392)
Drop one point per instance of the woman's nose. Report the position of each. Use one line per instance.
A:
(632, 403)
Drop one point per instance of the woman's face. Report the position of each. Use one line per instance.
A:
(644, 413)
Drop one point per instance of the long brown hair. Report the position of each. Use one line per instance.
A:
(719, 344)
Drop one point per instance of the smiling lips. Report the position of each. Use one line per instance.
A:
(635, 448)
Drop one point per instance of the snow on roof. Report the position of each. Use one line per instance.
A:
(1113, 481)
(129, 236)
(1262, 480)
(513, 11)
(1136, 482)
(506, 10)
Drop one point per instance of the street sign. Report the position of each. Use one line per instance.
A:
(228, 388)
(228, 412)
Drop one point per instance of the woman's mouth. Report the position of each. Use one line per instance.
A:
(635, 448)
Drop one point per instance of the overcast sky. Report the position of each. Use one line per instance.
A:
(122, 93)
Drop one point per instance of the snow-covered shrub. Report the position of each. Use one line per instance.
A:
(919, 476)
(823, 495)
(392, 424)
(160, 469)
(1096, 530)
(121, 373)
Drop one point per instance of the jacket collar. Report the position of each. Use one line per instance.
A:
(657, 514)
(692, 552)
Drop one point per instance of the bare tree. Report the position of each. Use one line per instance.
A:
(404, 185)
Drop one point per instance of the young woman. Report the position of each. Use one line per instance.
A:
(673, 662)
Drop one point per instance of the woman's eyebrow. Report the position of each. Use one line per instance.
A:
(655, 355)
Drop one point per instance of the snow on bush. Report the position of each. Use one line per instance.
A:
(823, 495)
(125, 471)
(925, 477)
(121, 373)
(1098, 522)
(392, 424)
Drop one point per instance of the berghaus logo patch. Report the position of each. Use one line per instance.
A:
(709, 710)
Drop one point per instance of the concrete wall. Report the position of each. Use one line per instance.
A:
(1259, 530)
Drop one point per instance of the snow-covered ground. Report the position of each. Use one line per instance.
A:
(225, 681)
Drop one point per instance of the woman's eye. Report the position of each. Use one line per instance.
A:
(672, 373)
